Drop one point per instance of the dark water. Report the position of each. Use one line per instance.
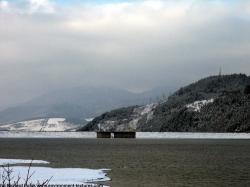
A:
(145, 163)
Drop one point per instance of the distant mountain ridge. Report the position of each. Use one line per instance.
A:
(213, 104)
(74, 104)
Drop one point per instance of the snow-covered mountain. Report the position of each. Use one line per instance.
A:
(46, 124)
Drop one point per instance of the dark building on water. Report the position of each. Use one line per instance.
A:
(103, 134)
(116, 134)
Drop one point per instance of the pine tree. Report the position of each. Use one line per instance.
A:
(247, 89)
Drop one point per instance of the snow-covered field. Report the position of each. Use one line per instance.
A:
(47, 124)
(139, 135)
(57, 175)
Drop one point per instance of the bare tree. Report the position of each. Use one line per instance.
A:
(8, 179)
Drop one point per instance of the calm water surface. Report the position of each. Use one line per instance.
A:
(144, 162)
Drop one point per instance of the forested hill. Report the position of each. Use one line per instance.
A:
(213, 104)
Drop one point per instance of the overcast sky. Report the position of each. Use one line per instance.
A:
(136, 45)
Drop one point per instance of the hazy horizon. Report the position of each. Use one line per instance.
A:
(48, 45)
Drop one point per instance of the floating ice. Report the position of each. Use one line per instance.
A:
(23, 134)
(4, 161)
(191, 135)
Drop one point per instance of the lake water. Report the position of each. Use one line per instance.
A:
(139, 135)
(143, 162)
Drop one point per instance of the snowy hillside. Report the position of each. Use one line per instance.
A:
(213, 104)
(124, 119)
(197, 105)
(48, 124)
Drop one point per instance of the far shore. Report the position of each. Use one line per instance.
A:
(139, 135)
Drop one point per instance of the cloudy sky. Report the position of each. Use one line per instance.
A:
(136, 45)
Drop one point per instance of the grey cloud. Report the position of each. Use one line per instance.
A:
(136, 46)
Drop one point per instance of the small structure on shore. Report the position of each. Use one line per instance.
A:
(116, 134)
(103, 134)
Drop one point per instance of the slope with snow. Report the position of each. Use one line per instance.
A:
(48, 124)
(197, 105)
(124, 123)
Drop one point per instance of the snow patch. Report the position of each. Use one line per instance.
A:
(147, 110)
(4, 162)
(34, 125)
(197, 105)
(59, 175)
(89, 119)
(55, 121)
(46, 124)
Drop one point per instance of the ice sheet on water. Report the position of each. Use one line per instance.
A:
(4, 161)
(191, 135)
(22, 134)
(142, 135)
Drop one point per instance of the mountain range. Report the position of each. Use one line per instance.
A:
(213, 104)
(77, 104)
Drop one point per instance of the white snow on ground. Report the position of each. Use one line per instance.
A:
(57, 124)
(148, 108)
(34, 125)
(55, 121)
(197, 105)
(49, 124)
(89, 119)
(59, 175)
(4, 161)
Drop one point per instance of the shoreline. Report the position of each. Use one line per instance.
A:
(139, 135)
